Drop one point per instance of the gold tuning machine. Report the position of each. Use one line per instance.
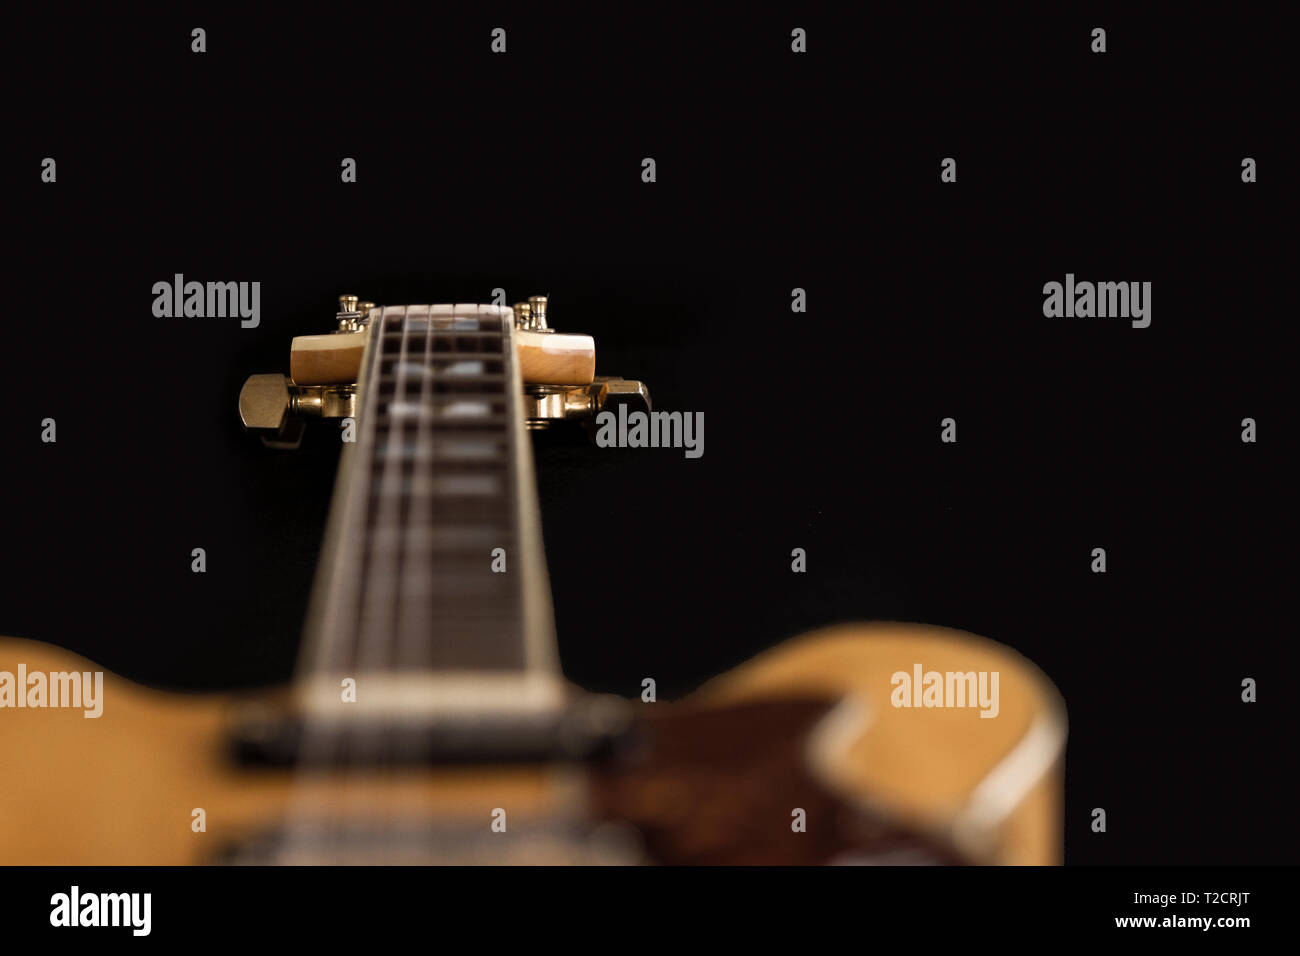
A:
(352, 313)
(545, 405)
(530, 316)
(273, 407)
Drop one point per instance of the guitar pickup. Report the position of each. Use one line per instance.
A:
(589, 727)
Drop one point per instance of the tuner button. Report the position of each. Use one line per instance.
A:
(264, 409)
(264, 402)
(621, 391)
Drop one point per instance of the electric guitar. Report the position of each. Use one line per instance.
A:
(430, 722)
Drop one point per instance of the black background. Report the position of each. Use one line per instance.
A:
(822, 429)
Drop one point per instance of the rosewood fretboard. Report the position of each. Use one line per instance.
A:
(439, 478)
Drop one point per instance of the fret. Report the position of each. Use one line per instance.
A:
(440, 475)
(448, 410)
(461, 540)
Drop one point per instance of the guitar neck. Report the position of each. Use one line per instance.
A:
(433, 560)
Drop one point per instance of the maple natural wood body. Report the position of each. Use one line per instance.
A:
(121, 789)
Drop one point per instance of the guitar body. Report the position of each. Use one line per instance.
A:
(797, 757)
(429, 721)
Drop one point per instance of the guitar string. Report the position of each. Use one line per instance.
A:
(422, 517)
(410, 617)
(380, 736)
(366, 650)
(371, 745)
(321, 745)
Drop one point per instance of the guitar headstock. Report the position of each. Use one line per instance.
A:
(557, 370)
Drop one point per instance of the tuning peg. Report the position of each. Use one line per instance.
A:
(537, 313)
(523, 315)
(273, 407)
(530, 316)
(545, 405)
(352, 313)
(613, 392)
(264, 409)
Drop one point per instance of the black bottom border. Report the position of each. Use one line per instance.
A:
(658, 906)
